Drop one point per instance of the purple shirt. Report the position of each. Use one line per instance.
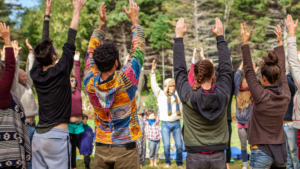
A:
(76, 95)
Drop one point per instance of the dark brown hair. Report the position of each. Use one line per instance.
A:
(149, 112)
(44, 52)
(270, 68)
(203, 71)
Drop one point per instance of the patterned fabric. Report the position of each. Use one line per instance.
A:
(14, 140)
(141, 143)
(170, 105)
(153, 132)
(211, 90)
(116, 120)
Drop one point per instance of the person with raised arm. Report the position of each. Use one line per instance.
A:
(111, 90)
(191, 73)
(170, 110)
(22, 90)
(270, 101)
(51, 141)
(15, 149)
(205, 105)
(76, 126)
(292, 120)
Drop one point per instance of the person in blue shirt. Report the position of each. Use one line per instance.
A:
(86, 142)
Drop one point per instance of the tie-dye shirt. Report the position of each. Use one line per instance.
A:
(116, 120)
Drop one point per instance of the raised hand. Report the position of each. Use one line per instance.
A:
(219, 28)
(244, 34)
(278, 34)
(181, 28)
(133, 13)
(202, 53)
(102, 15)
(153, 66)
(77, 56)
(29, 46)
(194, 54)
(48, 7)
(5, 34)
(255, 68)
(16, 47)
(290, 25)
(78, 5)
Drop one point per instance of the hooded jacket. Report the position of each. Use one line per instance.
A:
(295, 68)
(113, 99)
(289, 112)
(204, 114)
(162, 100)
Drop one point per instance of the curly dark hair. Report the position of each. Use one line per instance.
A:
(149, 112)
(203, 71)
(105, 56)
(270, 68)
(44, 52)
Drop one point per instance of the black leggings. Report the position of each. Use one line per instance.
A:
(75, 143)
(228, 151)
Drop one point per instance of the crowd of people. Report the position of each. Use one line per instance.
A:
(267, 109)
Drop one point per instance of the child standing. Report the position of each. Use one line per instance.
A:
(153, 135)
(86, 142)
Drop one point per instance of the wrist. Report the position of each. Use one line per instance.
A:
(7, 42)
(135, 22)
(280, 43)
(76, 12)
(291, 34)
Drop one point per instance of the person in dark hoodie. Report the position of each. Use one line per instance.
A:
(290, 132)
(270, 102)
(205, 105)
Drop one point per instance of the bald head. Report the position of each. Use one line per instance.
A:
(22, 77)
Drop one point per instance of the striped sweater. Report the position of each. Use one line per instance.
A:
(14, 140)
(116, 120)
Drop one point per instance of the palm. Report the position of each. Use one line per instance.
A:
(102, 15)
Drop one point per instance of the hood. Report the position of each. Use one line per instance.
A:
(210, 105)
(168, 82)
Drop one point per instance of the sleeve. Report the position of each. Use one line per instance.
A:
(191, 75)
(157, 116)
(91, 69)
(255, 88)
(29, 65)
(225, 66)
(15, 86)
(181, 76)
(291, 85)
(154, 86)
(77, 74)
(138, 97)
(46, 30)
(237, 78)
(293, 59)
(281, 56)
(136, 60)
(65, 63)
(7, 78)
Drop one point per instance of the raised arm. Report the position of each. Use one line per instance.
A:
(255, 88)
(137, 53)
(15, 87)
(6, 75)
(292, 50)
(180, 73)
(97, 39)
(281, 57)
(225, 66)
(66, 62)
(237, 78)
(29, 63)
(191, 72)
(77, 69)
(46, 20)
(154, 86)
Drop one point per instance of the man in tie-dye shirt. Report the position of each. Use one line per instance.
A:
(111, 90)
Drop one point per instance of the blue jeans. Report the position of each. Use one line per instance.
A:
(291, 146)
(260, 160)
(154, 147)
(31, 130)
(166, 129)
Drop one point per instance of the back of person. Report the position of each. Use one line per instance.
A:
(205, 105)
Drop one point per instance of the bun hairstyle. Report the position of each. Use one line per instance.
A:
(203, 71)
(270, 68)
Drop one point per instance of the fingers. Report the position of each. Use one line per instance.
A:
(153, 61)
(296, 24)
(250, 32)
(212, 28)
(242, 29)
(245, 27)
(125, 10)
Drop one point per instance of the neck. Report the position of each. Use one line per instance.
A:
(47, 67)
(105, 75)
(206, 85)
